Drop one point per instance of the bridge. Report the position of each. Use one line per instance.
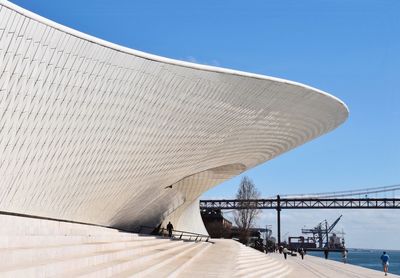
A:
(304, 203)
(349, 199)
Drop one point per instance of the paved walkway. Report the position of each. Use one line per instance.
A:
(314, 267)
(227, 258)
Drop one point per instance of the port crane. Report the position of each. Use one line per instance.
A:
(320, 233)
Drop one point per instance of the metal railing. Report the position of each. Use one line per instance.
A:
(176, 234)
(362, 192)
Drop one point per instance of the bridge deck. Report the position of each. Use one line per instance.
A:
(304, 203)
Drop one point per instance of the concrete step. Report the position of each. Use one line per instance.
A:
(252, 260)
(280, 272)
(252, 263)
(250, 269)
(173, 268)
(43, 267)
(14, 256)
(34, 226)
(260, 270)
(28, 241)
(189, 261)
(116, 267)
(170, 262)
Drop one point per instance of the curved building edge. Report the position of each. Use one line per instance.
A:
(154, 57)
(117, 137)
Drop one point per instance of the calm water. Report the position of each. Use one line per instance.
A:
(367, 258)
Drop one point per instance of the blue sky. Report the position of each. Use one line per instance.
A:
(350, 49)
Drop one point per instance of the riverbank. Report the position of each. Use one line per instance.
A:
(314, 267)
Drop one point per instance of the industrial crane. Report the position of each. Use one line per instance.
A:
(321, 231)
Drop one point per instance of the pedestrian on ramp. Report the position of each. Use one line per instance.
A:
(170, 227)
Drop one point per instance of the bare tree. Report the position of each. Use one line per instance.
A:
(245, 218)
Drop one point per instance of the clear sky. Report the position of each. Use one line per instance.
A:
(350, 49)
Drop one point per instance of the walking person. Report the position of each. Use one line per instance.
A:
(344, 256)
(326, 253)
(301, 253)
(385, 262)
(285, 251)
(170, 227)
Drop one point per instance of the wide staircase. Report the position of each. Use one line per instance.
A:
(79, 251)
(44, 248)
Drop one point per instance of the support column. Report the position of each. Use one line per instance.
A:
(278, 214)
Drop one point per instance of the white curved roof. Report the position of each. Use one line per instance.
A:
(94, 132)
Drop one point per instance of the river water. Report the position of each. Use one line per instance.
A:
(368, 258)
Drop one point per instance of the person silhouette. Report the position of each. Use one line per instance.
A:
(302, 253)
(344, 256)
(285, 252)
(326, 253)
(385, 262)
(170, 227)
